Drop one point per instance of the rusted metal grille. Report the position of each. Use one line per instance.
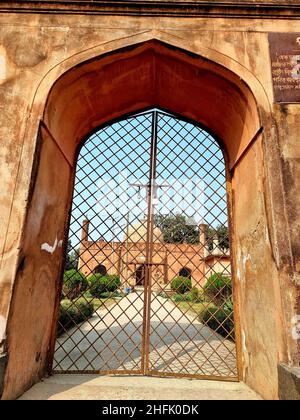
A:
(147, 282)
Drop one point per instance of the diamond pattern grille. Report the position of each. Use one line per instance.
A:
(149, 206)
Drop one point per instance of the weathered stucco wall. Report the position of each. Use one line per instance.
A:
(256, 277)
(288, 126)
(36, 287)
(35, 50)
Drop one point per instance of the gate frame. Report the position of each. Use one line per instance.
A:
(147, 306)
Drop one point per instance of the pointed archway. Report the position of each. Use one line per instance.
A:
(146, 75)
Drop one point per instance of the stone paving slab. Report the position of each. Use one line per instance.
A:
(96, 387)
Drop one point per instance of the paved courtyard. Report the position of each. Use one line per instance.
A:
(112, 340)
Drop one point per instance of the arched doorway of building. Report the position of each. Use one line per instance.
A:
(100, 269)
(185, 272)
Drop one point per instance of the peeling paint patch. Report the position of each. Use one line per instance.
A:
(246, 258)
(238, 271)
(2, 327)
(296, 327)
(245, 354)
(51, 248)
(244, 342)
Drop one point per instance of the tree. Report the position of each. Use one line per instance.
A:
(222, 234)
(177, 228)
(71, 257)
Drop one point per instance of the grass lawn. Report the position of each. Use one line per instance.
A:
(97, 303)
(105, 301)
(193, 308)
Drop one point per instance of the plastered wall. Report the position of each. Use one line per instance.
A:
(35, 50)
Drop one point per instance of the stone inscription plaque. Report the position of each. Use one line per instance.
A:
(285, 61)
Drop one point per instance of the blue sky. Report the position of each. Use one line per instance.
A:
(189, 165)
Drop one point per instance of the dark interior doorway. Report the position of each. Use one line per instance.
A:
(100, 269)
(140, 275)
(185, 272)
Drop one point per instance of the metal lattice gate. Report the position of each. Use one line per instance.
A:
(147, 281)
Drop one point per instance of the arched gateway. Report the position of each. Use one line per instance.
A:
(154, 188)
(143, 83)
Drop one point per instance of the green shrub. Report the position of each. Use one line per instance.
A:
(162, 294)
(181, 284)
(107, 295)
(194, 295)
(85, 309)
(179, 297)
(67, 314)
(218, 288)
(219, 320)
(73, 313)
(74, 284)
(97, 285)
(112, 282)
(103, 284)
(229, 305)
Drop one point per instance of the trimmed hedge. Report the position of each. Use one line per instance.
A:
(74, 284)
(72, 314)
(194, 295)
(103, 284)
(178, 297)
(219, 320)
(218, 288)
(181, 284)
